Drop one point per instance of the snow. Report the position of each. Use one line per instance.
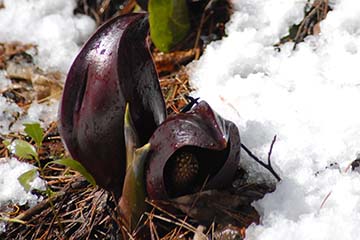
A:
(11, 190)
(308, 98)
(43, 113)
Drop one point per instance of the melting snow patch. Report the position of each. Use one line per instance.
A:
(43, 113)
(12, 116)
(11, 190)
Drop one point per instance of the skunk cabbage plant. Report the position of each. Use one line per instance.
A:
(112, 120)
(192, 151)
(113, 68)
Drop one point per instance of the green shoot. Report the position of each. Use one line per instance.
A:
(27, 177)
(34, 131)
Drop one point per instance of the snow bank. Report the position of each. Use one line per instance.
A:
(308, 98)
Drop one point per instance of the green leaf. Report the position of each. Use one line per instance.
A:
(23, 149)
(27, 177)
(75, 165)
(6, 142)
(35, 132)
(169, 22)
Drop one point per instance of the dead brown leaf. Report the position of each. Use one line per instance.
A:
(9, 50)
(44, 84)
(170, 62)
(29, 81)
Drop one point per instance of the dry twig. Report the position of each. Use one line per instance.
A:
(268, 165)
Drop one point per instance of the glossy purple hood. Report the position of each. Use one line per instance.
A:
(213, 140)
(113, 68)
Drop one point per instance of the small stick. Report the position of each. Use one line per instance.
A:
(267, 166)
(325, 199)
(37, 208)
(193, 101)
(270, 151)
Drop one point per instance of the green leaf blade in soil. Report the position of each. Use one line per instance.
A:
(77, 166)
(169, 22)
(23, 149)
(35, 132)
(26, 178)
